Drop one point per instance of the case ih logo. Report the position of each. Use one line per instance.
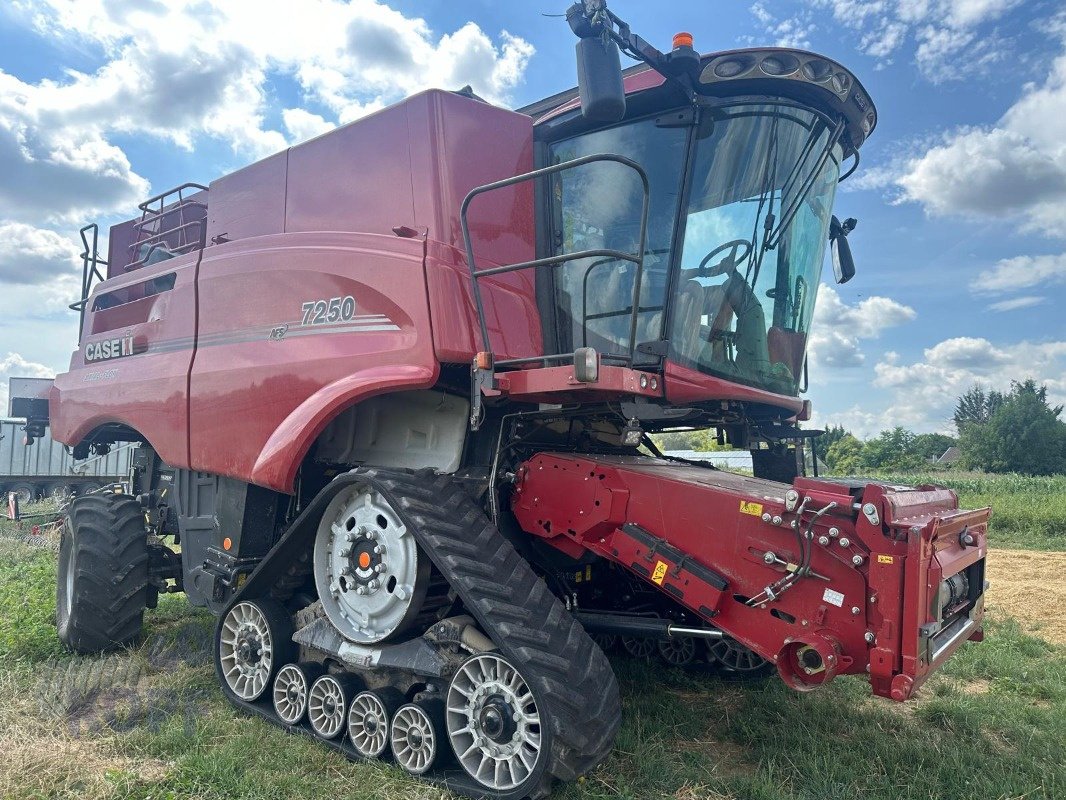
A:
(109, 348)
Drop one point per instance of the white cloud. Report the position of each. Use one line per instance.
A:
(924, 392)
(303, 125)
(838, 328)
(189, 69)
(941, 30)
(15, 366)
(31, 255)
(1022, 272)
(784, 32)
(1015, 303)
(1015, 169)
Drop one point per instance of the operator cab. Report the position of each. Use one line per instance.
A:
(742, 171)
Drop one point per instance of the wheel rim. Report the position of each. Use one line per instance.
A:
(367, 567)
(325, 707)
(638, 648)
(246, 651)
(414, 741)
(678, 651)
(290, 694)
(735, 656)
(368, 725)
(493, 722)
(68, 582)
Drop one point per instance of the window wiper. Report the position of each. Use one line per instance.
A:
(773, 238)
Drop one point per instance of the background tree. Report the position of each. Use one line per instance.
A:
(833, 434)
(844, 456)
(1024, 434)
(892, 450)
(976, 407)
(931, 446)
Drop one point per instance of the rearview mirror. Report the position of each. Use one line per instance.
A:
(599, 80)
(843, 263)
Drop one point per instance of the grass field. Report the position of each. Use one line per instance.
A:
(1027, 512)
(151, 723)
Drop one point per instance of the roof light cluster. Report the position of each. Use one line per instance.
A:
(802, 67)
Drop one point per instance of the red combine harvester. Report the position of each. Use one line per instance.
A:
(393, 389)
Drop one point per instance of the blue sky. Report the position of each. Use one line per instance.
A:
(961, 195)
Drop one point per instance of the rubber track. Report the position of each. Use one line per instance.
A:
(568, 672)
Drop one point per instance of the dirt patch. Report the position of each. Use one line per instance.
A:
(1030, 586)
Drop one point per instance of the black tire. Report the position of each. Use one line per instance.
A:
(25, 492)
(102, 589)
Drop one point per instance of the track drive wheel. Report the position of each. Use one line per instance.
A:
(417, 734)
(252, 641)
(102, 589)
(495, 727)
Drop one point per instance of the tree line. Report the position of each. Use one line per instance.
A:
(1014, 431)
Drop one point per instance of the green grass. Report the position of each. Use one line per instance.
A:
(1027, 512)
(151, 723)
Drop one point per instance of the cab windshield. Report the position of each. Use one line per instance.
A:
(746, 239)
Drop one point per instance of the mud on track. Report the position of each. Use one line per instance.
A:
(1030, 585)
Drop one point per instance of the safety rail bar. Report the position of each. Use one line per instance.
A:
(553, 261)
(90, 263)
(155, 210)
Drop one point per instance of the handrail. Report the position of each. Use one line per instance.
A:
(90, 260)
(143, 206)
(150, 228)
(552, 261)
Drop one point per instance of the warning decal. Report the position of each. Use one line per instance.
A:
(755, 509)
(659, 573)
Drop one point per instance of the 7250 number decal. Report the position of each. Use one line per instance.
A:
(323, 312)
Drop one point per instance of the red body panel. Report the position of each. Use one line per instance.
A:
(149, 390)
(239, 385)
(263, 383)
(709, 520)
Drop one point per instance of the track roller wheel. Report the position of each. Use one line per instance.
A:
(638, 647)
(327, 703)
(252, 641)
(735, 661)
(417, 734)
(680, 651)
(291, 687)
(494, 724)
(606, 641)
(369, 717)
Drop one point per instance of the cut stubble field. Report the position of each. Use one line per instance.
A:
(151, 722)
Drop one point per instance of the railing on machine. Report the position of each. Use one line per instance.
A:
(554, 261)
(90, 268)
(171, 224)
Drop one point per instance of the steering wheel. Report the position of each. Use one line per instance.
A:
(729, 262)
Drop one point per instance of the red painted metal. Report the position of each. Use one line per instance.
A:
(226, 378)
(685, 385)
(722, 523)
(558, 384)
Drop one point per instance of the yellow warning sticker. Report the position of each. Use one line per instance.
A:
(659, 573)
(755, 509)
(885, 560)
